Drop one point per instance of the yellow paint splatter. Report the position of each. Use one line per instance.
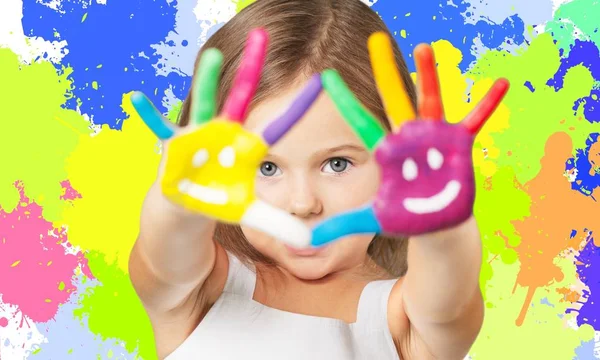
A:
(403, 33)
(15, 263)
(112, 171)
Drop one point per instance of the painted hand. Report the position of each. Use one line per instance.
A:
(211, 165)
(426, 166)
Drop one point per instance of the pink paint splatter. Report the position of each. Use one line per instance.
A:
(3, 322)
(36, 271)
(68, 192)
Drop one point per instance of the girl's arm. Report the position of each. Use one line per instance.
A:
(173, 255)
(437, 310)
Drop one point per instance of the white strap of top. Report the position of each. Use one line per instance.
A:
(240, 279)
(372, 306)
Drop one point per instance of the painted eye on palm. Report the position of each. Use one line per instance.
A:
(211, 164)
(426, 167)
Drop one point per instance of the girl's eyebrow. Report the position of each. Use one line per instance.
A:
(343, 147)
(335, 149)
(323, 152)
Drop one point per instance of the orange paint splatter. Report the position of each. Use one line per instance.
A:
(556, 210)
(568, 295)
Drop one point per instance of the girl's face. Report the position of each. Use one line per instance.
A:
(318, 169)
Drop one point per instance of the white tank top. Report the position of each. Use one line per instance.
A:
(240, 328)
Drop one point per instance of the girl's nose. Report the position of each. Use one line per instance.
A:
(303, 200)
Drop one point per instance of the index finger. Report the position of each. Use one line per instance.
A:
(247, 77)
(205, 86)
(364, 124)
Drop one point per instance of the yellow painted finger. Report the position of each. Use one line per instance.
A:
(391, 88)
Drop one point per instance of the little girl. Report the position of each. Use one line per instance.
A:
(231, 289)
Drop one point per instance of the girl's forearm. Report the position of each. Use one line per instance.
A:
(443, 273)
(174, 252)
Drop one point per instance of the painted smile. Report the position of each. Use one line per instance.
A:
(434, 203)
(203, 193)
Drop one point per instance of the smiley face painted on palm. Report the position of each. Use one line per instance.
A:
(427, 178)
(427, 181)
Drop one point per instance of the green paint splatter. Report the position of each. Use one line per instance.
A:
(535, 116)
(575, 20)
(494, 219)
(174, 112)
(38, 134)
(543, 335)
(241, 4)
(114, 310)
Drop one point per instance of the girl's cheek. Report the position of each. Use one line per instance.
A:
(271, 190)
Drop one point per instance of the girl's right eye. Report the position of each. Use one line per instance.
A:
(269, 169)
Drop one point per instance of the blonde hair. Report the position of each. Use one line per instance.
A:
(306, 37)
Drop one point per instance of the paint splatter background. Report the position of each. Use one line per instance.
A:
(70, 191)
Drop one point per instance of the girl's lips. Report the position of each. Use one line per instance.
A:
(304, 252)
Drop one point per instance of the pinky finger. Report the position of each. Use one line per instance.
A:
(160, 126)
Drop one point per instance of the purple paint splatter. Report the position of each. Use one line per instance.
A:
(588, 269)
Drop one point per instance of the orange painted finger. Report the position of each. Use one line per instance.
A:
(429, 99)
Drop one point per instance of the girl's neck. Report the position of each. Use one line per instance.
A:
(335, 295)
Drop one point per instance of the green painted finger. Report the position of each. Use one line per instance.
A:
(366, 126)
(205, 86)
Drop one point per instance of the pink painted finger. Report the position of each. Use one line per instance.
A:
(247, 77)
(486, 107)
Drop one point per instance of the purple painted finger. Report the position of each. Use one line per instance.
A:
(278, 127)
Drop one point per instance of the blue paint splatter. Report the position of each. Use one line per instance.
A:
(591, 106)
(82, 344)
(585, 351)
(449, 24)
(529, 86)
(111, 45)
(584, 182)
(584, 53)
(545, 301)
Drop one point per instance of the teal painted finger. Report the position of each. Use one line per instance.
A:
(151, 116)
(366, 126)
(205, 86)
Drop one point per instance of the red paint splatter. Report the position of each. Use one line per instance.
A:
(36, 272)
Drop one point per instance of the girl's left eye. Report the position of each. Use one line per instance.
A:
(337, 165)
